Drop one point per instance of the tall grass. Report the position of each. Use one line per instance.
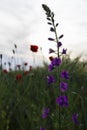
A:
(21, 101)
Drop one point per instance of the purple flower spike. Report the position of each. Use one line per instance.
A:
(42, 128)
(51, 50)
(65, 74)
(74, 118)
(50, 79)
(64, 51)
(63, 86)
(45, 112)
(62, 101)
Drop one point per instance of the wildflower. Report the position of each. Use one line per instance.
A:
(59, 44)
(5, 71)
(51, 58)
(62, 101)
(18, 76)
(51, 50)
(64, 51)
(42, 128)
(45, 112)
(25, 63)
(74, 118)
(50, 67)
(56, 61)
(34, 48)
(52, 29)
(63, 86)
(50, 79)
(65, 74)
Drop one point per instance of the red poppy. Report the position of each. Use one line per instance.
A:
(25, 63)
(18, 76)
(34, 48)
(5, 71)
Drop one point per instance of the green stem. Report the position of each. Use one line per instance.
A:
(58, 70)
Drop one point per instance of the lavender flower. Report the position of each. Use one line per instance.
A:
(50, 67)
(63, 86)
(50, 79)
(51, 50)
(64, 51)
(62, 101)
(56, 62)
(45, 112)
(74, 118)
(65, 74)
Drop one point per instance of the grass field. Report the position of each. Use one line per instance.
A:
(23, 98)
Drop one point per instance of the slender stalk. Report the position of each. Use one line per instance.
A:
(58, 69)
(50, 17)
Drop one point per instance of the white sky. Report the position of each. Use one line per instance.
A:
(24, 22)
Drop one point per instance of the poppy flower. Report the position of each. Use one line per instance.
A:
(25, 63)
(5, 71)
(18, 76)
(34, 48)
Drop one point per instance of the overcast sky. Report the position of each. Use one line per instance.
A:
(23, 22)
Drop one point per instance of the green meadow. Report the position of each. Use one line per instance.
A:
(22, 99)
